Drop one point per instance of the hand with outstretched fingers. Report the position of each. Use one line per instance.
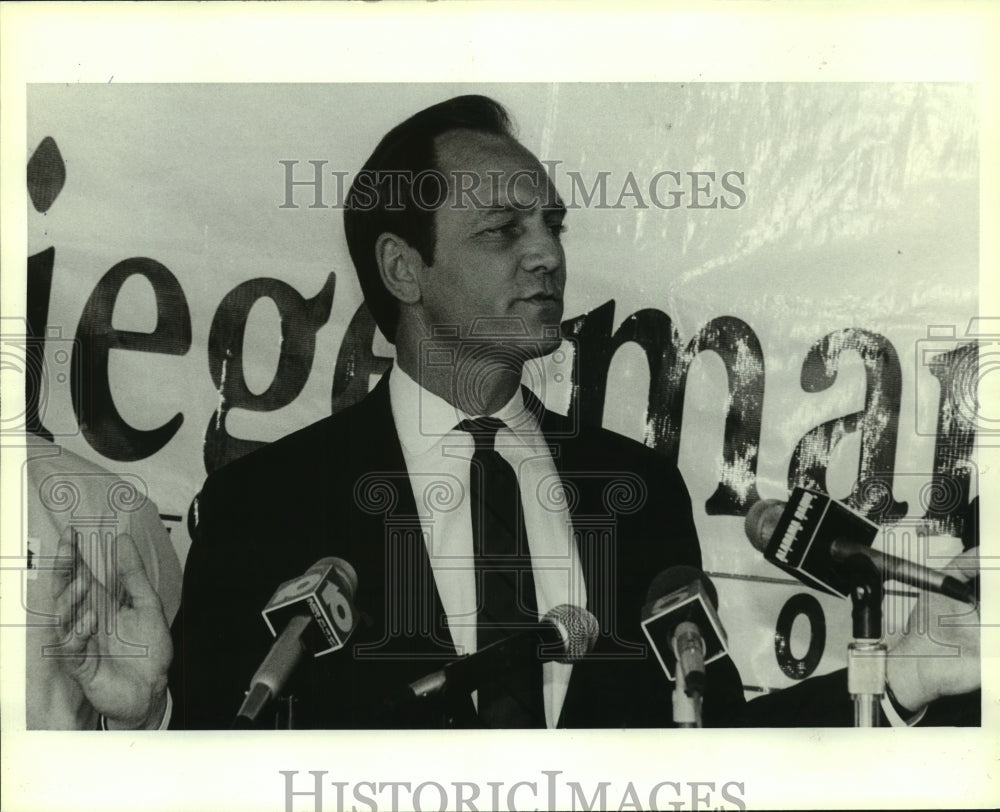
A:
(114, 638)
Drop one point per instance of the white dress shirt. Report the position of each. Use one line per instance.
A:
(438, 456)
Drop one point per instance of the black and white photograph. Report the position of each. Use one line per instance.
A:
(392, 430)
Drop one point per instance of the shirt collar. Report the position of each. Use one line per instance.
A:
(423, 419)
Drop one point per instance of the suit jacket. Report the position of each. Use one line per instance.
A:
(340, 487)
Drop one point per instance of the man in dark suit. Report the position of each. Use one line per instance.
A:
(469, 287)
(467, 510)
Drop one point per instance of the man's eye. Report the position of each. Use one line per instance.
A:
(557, 229)
(504, 229)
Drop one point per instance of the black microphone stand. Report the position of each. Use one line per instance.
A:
(866, 654)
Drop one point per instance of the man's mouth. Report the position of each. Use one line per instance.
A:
(543, 297)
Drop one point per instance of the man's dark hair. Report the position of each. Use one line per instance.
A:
(383, 196)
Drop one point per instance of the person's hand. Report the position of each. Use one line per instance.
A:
(115, 641)
(938, 653)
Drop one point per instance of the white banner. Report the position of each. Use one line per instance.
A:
(771, 283)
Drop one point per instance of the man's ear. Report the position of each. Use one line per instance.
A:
(398, 263)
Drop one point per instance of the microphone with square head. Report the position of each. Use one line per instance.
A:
(681, 622)
(812, 536)
(313, 612)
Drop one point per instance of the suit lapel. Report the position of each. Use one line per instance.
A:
(558, 431)
(403, 623)
(388, 540)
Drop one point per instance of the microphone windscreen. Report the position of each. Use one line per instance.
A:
(577, 627)
(678, 577)
(344, 569)
(761, 520)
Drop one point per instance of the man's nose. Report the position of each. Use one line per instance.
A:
(543, 251)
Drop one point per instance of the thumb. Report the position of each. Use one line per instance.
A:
(131, 578)
(66, 561)
(964, 566)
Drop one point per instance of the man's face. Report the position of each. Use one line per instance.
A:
(499, 267)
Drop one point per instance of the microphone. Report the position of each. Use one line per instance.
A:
(812, 535)
(681, 622)
(314, 612)
(565, 634)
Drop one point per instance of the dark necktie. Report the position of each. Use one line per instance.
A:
(505, 586)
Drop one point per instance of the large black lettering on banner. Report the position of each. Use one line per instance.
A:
(39, 290)
(669, 362)
(93, 402)
(878, 422)
(300, 319)
(958, 372)
(356, 361)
